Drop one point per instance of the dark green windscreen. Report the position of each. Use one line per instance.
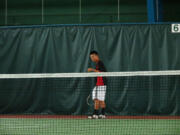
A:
(66, 49)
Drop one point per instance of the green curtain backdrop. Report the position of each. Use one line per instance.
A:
(56, 49)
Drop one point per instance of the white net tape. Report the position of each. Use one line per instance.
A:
(75, 75)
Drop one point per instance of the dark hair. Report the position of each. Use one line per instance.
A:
(94, 52)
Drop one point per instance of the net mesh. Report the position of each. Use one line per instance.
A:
(137, 103)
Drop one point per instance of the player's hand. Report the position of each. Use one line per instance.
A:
(90, 69)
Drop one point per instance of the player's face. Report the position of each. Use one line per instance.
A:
(94, 57)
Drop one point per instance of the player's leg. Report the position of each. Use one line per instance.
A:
(102, 103)
(103, 107)
(96, 101)
(96, 104)
(96, 110)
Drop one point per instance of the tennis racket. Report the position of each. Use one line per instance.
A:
(89, 100)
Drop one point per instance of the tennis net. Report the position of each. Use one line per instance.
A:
(137, 103)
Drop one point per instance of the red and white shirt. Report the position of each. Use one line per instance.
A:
(100, 80)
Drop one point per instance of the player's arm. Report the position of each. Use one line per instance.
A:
(93, 70)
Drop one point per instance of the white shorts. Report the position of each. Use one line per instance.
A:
(99, 92)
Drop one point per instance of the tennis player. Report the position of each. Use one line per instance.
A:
(99, 91)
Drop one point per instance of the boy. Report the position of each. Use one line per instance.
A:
(99, 91)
